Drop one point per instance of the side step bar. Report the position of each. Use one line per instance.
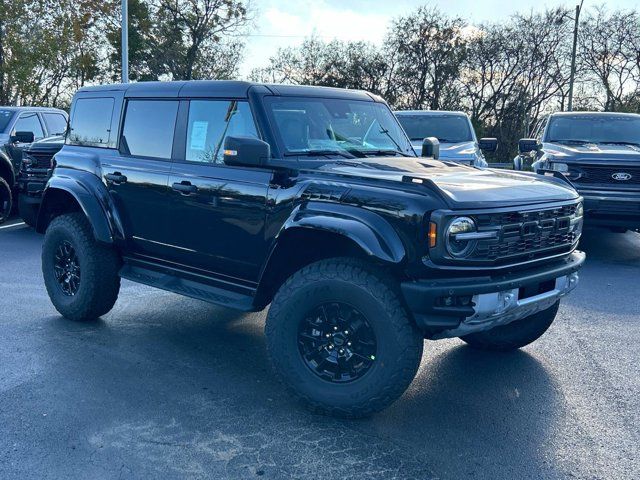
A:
(189, 288)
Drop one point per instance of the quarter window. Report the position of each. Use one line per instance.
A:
(91, 122)
(29, 122)
(210, 122)
(148, 129)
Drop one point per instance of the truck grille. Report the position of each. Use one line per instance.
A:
(604, 175)
(43, 159)
(526, 235)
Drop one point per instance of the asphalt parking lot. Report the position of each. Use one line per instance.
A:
(169, 387)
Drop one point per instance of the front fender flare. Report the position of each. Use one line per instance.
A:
(368, 230)
(92, 197)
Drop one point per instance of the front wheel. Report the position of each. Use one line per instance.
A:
(516, 334)
(340, 339)
(81, 275)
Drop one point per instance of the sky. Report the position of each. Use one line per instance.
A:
(284, 23)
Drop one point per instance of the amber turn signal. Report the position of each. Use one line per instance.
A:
(433, 235)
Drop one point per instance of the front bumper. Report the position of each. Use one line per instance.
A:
(611, 208)
(459, 306)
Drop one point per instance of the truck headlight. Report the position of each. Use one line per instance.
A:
(457, 245)
(559, 167)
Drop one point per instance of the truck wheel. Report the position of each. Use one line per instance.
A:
(514, 335)
(341, 340)
(81, 276)
(6, 200)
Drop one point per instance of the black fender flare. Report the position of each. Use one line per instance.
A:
(92, 197)
(371, 232)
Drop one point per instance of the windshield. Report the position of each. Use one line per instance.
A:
(5, 118)
(594, 129)
(446, 128)
(321, 126)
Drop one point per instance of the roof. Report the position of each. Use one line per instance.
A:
(13, 108)
(224, 88)
(429, 112)
(590, 114)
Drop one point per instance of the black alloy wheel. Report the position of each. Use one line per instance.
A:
(67, 268)
(337, 342)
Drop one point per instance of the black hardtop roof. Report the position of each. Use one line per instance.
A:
(13, 108)
(593, 114)
(225, 88)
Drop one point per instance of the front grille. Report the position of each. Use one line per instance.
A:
(592, 174)
(524, 235)
(43, 159)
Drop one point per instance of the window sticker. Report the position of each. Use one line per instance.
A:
(199, 135)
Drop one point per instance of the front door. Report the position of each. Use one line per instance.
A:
(137, 177)
(217, 212)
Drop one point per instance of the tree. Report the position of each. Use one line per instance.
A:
(194, 38)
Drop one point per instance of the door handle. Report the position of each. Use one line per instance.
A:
(185, 188)
(116, 177)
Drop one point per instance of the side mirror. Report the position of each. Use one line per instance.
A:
(488, 144)
(526, 145)
(431, 148)
(22, 137)
(246, 151)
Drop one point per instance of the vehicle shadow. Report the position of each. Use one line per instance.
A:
(601, 244)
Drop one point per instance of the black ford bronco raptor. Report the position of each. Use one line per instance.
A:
(310, 200)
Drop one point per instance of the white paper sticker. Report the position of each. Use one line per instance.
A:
(199, 135)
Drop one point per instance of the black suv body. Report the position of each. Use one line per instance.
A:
(19, 128)
(310, 200)
(600, 154)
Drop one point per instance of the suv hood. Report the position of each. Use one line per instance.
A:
(459, 152)
(592, 152)
(459, 185)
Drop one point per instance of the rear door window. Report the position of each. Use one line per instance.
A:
(91, 122)
(30, 122)
(210, 122)
(149, 127)
(56, 123)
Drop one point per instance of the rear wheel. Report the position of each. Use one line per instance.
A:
(6, 200)
(516, 334)
(81, 276)
(341, 340)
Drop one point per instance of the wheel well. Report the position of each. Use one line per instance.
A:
(6, 172)
(299, 248)
(56, 203)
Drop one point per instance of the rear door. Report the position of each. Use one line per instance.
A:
(138, 174)
(217, 212)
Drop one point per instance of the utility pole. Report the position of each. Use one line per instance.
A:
(573, 55)
(125, 41)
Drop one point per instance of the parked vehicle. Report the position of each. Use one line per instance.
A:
(453, 130)
(600, 154)
(34, 173)
(19, 127)
(310, 200)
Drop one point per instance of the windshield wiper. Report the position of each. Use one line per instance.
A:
(569, 140)
(621, 143)
(385, 152)
(398, 147)
(313, 153)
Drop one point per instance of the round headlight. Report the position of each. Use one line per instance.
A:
(579, 210)
(456, 246)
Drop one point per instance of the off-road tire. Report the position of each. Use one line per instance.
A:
(99, 265)
(368, 289)
(6, 200)
(516, 334)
